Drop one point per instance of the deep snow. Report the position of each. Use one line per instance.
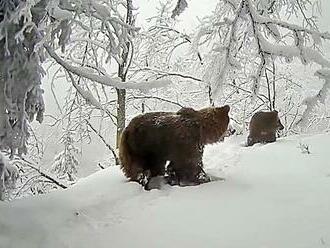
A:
(273, 196)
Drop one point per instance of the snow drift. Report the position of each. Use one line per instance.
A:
(274, 196)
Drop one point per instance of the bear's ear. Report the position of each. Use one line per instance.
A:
(225, 108)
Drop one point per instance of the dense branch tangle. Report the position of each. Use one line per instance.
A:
(104, 31)
(256, 24)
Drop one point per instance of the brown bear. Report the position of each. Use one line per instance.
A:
(263, 127)
(152, 140)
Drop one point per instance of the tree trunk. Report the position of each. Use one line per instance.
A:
(121, 113)
(122, 73)
(2, 175)
(121, 98)
(2, 109)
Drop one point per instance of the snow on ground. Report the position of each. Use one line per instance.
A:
(273, 196)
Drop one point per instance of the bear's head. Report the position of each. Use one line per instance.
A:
(279, 125)
(214, 123)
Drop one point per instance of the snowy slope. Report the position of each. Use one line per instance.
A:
(274, 196)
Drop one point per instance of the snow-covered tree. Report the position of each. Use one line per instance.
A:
(20, 71)
(162, 51)
(247, 43)
(100, 54)
(101, 31)
(29, 29)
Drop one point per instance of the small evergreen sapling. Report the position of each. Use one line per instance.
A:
(66, 163)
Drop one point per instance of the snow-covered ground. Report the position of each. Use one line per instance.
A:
(273, 196)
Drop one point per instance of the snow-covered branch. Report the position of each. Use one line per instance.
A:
(260, 19)
(245, 41)
(313, 101)
(104, 80)
(259, 24)
(162, 73)
(306, 54)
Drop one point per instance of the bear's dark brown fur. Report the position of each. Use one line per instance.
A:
(263, 127)
(152, 139)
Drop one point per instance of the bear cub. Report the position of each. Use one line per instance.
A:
(263, 127)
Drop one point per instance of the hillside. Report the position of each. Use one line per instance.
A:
(273, 196)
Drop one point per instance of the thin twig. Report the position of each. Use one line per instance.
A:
(44, 174)
(157, 98)
(106, 144)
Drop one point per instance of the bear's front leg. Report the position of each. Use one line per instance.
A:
(143, 177)
(202, 177)
(189, 168)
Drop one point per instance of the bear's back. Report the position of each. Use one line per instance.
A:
(264, 121)
(161, 132)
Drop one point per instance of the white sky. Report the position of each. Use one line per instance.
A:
(325, 20)
(200, 8)
(187, 20)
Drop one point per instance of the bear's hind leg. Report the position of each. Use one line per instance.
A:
(156, 167)
(250, 141)
(137, 171)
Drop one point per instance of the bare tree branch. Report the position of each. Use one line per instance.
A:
(44, 174)
(106, 144)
